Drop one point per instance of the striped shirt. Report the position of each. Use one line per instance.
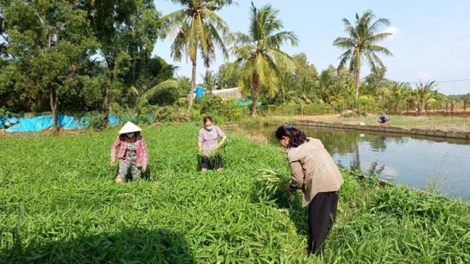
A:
(313, 170)
(140, 149)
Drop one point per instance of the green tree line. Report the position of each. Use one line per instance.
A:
(87, 55)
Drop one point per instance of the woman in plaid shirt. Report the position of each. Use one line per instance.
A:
(132, 153)
(316, 174)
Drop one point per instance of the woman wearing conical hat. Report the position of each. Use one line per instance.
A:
(132, 152)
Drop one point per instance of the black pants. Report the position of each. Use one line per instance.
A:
(321, 216)
(216, 160)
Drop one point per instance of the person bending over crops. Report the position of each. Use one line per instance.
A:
(208, 145)
(314, 172)
(132, 153)
(384, 119)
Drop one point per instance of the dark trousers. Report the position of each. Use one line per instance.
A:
(206, 161)
(321, 216)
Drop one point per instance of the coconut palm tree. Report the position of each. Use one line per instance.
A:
(324, 84)
(196, 28)
(399, 92)
(259, 53)
(287, 80)
(209, 80)
(361, 44)
(466, 99)
(424, 93)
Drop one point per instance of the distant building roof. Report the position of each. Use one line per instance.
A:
(228, 93)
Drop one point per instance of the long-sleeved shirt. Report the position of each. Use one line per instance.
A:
(313, 170)
(140, 149)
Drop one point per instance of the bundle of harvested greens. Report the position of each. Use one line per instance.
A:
(272, 183)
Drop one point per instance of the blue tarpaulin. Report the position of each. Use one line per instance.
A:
(241, 102)
(39, 123)
(113, 120)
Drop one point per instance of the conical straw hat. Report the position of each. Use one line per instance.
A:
(129, 127)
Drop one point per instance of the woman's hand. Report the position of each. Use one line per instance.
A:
(113, 163)
(144, 168)
(291, 190)
(214, 152)
(288, 187)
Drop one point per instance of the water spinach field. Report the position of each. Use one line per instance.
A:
(59, 204)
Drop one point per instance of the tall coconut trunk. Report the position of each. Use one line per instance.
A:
(193, 82)
(53, 102)
(357, 79)
(254, 82)
(107, 95)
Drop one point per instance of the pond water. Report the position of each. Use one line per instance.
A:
(441, 165)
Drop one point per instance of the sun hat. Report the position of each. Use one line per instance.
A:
(129, 127)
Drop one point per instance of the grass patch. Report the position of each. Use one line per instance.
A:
(59, 204)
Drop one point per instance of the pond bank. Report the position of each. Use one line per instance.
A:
(388, 129)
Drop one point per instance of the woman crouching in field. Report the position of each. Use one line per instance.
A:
(317, 175)
(132, 152)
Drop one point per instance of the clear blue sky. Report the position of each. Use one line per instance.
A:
(431, 38)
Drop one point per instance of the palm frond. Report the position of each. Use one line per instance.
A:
(344, 43)
(238, 38)
(378, 37)
(282, 58)
(346, 23)
(178, 47)
(380, 49)
(381, 22)
(344, 58)
(218, 39)
(173, 22)
(276, 40)
(152, 91)
(243, 52)
(217, 22)
(216, 5)
(372, 60)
